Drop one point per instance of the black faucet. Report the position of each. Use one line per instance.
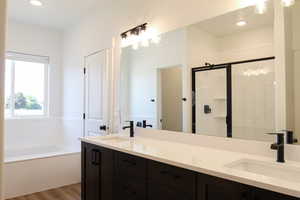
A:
(145, 125)
(279, 146)
(290, 137)
(131, 126)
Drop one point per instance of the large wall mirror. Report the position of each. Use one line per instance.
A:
(216, 77)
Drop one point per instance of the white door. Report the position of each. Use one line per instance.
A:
(170, 98)
(96, 93)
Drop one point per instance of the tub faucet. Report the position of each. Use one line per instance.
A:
(131, 127)
(279, 146)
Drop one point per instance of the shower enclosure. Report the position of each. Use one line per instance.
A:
(234, 99)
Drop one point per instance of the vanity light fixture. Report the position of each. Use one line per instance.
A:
(241, 23)
(36, 3)
(140, 36)
(261, 5)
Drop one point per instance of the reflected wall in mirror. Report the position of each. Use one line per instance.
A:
(216, 77)
(292, 41)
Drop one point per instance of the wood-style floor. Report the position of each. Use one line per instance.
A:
(71, 192)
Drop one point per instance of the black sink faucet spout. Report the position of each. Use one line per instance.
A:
(279, 146)
(131, 127)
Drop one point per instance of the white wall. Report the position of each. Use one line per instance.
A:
(36, 40)
(202, 47)
(246, 45)
(2, 49)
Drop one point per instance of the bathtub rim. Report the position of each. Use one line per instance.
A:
(40, 156)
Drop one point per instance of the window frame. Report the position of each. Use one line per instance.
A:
(45, 60)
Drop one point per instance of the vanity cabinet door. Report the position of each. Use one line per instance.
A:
(97, 172)
(129, 190)
(260, 194)
(168, 182)
(130, 177)
(212, 188)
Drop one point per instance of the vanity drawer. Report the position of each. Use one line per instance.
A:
(131, 167)
(130, 190)
(173, 177)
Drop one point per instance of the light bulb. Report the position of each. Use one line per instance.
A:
(124, 42)
(135, 46)
(261, 6)
(36, 3)
(241, 23)
(156, 39)
(145, 43)
(287, 3)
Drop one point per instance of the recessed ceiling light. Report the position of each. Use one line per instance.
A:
(36, 2)
(241, 23)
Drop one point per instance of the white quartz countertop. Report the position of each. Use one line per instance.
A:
(202, 159)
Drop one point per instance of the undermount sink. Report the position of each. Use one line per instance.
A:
(280, 171)
(115, 139)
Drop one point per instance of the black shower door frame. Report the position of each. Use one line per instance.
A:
(228, 67)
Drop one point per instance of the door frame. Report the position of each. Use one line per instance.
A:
(106, 94)
(228, 67)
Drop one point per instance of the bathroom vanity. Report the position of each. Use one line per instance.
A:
(118, 167)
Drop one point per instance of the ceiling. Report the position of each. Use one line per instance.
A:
(226, 24)
(57, 14)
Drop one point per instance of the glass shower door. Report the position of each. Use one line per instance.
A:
(253, 100)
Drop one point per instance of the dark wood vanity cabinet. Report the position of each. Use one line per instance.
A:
(97, 172)
(212, 188)
(260, 194)
(168, 182)
(112, 175)
(130, 177)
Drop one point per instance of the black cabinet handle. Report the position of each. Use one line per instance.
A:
(96, 157)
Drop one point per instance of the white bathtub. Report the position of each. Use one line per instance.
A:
(31, 170)
(38, 152)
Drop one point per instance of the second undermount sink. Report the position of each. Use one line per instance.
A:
(272, 170)
(115, 139)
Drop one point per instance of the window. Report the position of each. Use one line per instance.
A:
(26, 85)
